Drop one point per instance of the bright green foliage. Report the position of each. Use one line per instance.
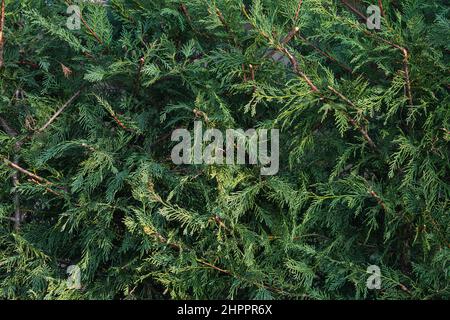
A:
(364, 174)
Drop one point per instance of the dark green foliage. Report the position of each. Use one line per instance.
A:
(364, 174)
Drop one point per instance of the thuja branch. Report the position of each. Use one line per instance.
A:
(15, 164)
(281, 48)
(296, 68)
(186, 13)
(403, 50)
(119, 123)
(229, 273)
(92, 32)
(226, 26)
(222, 20)
(325, 54)
(163, 240)
(361, 129)
(294, 63)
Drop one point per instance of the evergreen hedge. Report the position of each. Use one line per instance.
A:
(86, 118)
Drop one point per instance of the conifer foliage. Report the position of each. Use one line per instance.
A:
(86, 118)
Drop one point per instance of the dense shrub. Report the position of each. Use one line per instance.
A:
(86, 118)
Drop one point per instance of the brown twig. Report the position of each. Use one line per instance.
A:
(214, 267)
(407, 78)
(119, 122)
(297, 13)
(353, 121)
(325, 54)
(252, 74)
(46, 187)
(186, 13)
(92, 32)
(2, 26)
(26, 172)
(28, 63)
(252, 71)
(243, 71)
(155, 234)
(138, 75)
(354, 10)
(227, 27)
(380, 4)
(378, 198)
(347, 100)
(220, 222)
(362, 130)
(296, 68)
(200, 114)
(33, 177)
(60, 110)
(222, 20)
(290, 35)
